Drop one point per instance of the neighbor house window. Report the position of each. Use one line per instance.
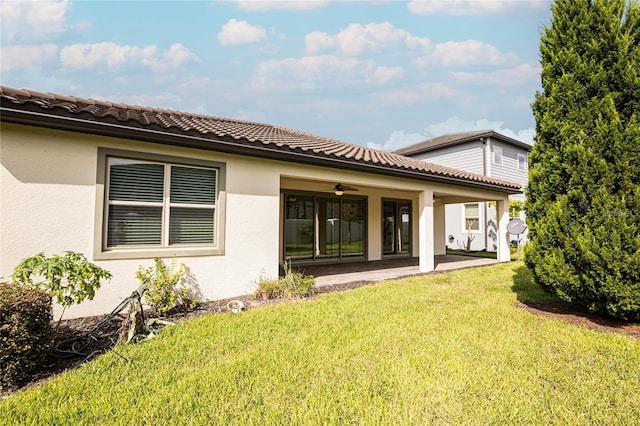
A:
(522, 162)
(153, 203)
(497, 155)
(472, 217)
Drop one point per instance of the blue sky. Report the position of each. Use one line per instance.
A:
(379, 73)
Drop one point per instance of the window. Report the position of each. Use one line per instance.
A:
(472, 217)
(497, 155)
(522, 162)
(154, 204)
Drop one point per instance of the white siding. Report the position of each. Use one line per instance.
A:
(454, 226)
(508, 170)
(467, 157)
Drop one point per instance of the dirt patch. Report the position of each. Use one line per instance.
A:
(575, 315)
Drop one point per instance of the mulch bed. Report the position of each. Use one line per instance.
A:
(109, 336)
(578, 316)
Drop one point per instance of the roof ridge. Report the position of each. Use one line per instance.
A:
(240, 134)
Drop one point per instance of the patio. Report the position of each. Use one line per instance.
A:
(343, 273)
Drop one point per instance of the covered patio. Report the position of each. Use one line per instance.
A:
(380, 270)
(381, 227)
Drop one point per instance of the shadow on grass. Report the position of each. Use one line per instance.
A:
(528, 291)
(535, 299)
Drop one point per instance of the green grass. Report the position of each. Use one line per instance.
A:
(442, 349)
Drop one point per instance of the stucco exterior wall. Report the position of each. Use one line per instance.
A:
(50, 200)
(47, 203)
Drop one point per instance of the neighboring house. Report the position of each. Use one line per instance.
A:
(484, 152)
(231, 199)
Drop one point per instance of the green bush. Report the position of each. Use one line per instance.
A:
(25, 332)
(164, 286)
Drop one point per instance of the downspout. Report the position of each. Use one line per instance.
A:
(486, 205)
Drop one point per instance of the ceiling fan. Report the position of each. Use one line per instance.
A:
(339, 189)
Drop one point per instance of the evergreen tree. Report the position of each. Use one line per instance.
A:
(583, 197)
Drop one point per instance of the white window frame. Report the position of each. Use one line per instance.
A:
(524, 162)
(496, 150)
(464, 219)
(102, 251)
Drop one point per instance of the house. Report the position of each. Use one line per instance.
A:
(488, 153)
(123, 184)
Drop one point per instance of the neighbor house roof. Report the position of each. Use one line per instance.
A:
(452, 139)
(221, 134)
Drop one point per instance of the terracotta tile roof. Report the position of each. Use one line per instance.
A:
(456, 139)
(223, 134)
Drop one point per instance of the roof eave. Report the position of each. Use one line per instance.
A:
(472, 138)
(231, 146)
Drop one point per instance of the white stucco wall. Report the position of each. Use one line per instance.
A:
(50, 198)
(47, 203)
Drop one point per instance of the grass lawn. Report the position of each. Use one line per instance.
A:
(442, 349)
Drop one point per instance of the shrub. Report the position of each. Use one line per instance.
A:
(292, 284)
(70, 278)
(163, 285)
(296, 283)
(25, 331)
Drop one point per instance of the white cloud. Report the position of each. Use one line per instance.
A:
(174, 58)
(17, 57)
(397, 140)
(32, 20)
(113, 56)
(517, 76)
(359, 39)
(466, 53)
(266, 5)
(421, 92)
(240, 32)
(105, 53)
(437, 91)
(470, 7)
(328, 69)
(385, 75)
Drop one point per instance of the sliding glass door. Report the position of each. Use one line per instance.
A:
(324, 227)
(396, 227)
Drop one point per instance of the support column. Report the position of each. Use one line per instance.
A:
(502, 211)
(439, 230)
(425, 231)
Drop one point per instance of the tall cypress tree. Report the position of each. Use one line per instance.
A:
(583, 197)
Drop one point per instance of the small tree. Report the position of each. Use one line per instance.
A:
(70, 278)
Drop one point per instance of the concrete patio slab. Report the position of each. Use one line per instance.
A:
(343, 273)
